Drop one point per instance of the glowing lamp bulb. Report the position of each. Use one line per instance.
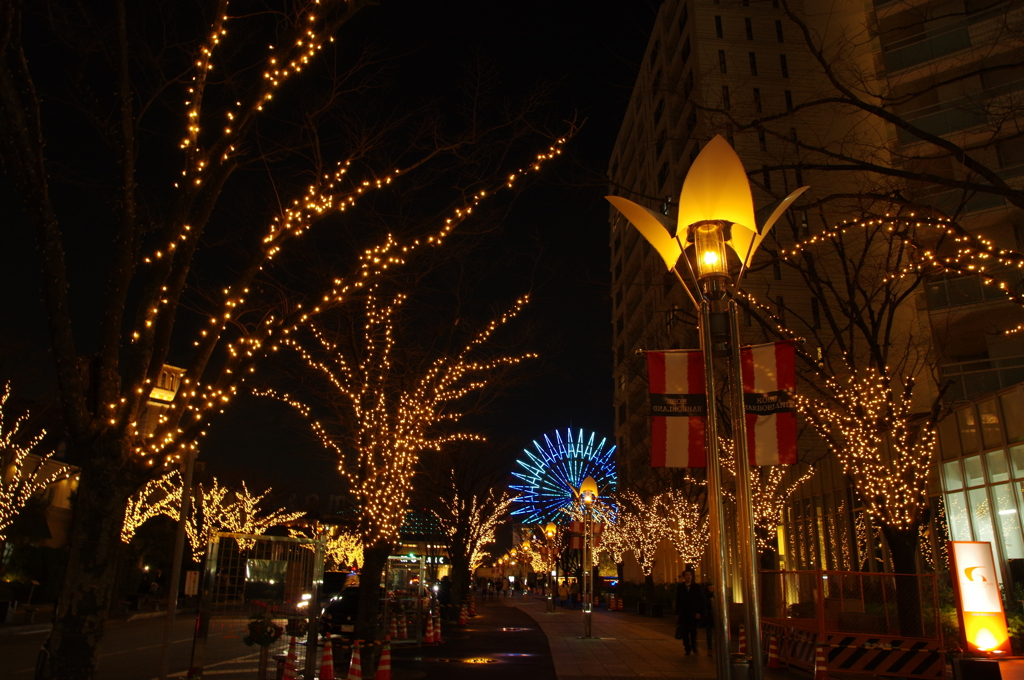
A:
(710, 258)
(984, 640)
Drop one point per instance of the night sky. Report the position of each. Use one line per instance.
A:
(553, 243)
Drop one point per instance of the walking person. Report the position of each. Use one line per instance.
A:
(709, 617)
(574, 593)
(691, 607)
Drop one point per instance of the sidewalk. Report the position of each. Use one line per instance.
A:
(624, 645)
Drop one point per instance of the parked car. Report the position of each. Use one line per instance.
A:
(339, 615)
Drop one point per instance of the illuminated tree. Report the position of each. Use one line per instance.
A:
(385, 413)
(211, 513)
(686, 522)
(21, 477)
(470, 524)
(244, 516)
(160, 496)
(638, 528)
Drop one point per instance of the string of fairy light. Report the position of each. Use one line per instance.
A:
(686, 524)
(391, 429)
(479, 517)
(211, 511)
(769, 492)
(312, 28)
(639, 528)
(23, 474)
(203, 400)
(881, 445)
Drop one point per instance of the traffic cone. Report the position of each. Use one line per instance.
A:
(384, 667)
(355, 668)
(743, 640)
(462, 616)
(289, 661)
(403, 628)
(393, 629)
(773, 653)
(472, 607)
(820, 665)
(437, 629)
(429, 638)
(327, 663)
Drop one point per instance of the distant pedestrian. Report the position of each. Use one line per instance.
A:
(709, 618)
(574, 593)
(691, 607)
(563, 593)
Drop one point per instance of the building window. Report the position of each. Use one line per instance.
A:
(750, 28)
(767, 174)
(753, 64)
(761, 140)
(815, 314)
(757, 100)
(784, 65)
(686, 49)
(725, 97)
(659, 146)
(789, 100)
(718, 26)
(805, 225)
(721, 61)
(778, 30)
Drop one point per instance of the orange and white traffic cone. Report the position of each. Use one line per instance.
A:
(429, 638)
(289, 661)
(743, 640)
(384, 667)
(437, 628)
(327, 662)
(403, 628)
(472, 607)
(355, 667)
(820, 665)
(462, 616)
(773, 653)
(393, 629)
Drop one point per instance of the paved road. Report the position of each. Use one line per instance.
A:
(131, 651)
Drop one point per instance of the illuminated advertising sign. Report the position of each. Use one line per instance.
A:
(979, 606)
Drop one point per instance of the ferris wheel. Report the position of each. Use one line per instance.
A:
(555, 469)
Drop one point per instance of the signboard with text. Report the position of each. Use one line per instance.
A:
(979, 606)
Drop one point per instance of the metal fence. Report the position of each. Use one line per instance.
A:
(247, 575)
(903, 605)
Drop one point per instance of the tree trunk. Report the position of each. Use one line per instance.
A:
(903, 550)
(461, 579)
(106, 483)
(375, 557)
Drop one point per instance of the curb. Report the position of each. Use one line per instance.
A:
(25, 629)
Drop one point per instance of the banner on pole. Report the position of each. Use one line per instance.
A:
(679, 408)
(769, 380)
(576, 534)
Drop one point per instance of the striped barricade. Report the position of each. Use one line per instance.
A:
(885, 656)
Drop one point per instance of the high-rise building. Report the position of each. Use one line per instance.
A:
(743, 69)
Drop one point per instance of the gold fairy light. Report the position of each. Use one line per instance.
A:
(22, 472)
(473, 523)
(686, 523)
(160, 496)
(882, 446)
(211, 514)
(390, 423)
(639, 528)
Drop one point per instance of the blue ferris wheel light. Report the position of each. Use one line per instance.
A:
(552, 472)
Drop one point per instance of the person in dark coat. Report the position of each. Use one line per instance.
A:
(709, 618)
(691, 608)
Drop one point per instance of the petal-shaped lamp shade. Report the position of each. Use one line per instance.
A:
(716, 188)
(648, 224)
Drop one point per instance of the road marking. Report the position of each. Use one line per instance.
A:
(139, 649)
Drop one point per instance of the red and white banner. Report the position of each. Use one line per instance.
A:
(769, 381)
(576, 535)
(679, 408)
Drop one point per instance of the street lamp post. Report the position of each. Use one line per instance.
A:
(715, 210)
(588, 494)
(549, 531)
